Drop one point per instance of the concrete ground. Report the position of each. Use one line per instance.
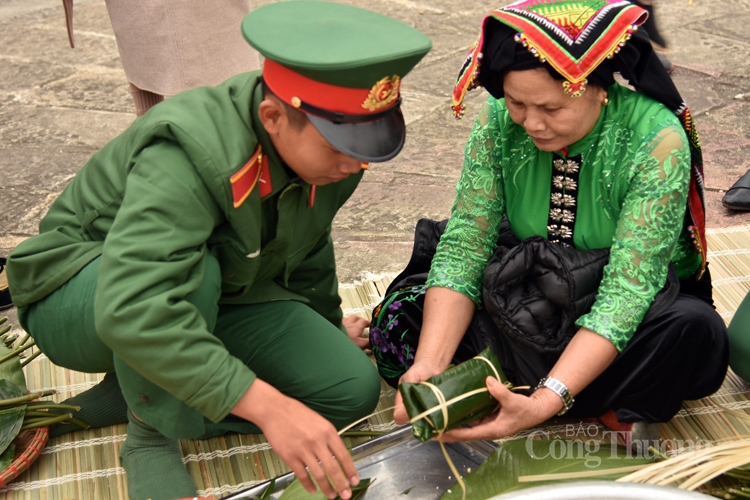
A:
(59, 105)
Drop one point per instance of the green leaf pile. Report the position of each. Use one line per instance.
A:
(11, 421)
(18, 410)
(12, 386)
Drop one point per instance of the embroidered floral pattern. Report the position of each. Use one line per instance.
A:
(638, 173)
(393, 354)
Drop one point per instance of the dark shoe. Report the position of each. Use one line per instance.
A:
(5, 302)
(738, 196)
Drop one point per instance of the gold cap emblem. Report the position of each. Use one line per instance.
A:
(382, 93)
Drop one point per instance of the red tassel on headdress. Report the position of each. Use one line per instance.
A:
(467, 77)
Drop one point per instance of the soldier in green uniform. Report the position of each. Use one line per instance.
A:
(191, 257)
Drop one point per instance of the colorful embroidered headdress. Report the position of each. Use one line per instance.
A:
(574, 37)
(580, 41)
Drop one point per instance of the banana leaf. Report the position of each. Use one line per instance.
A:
(453, 383)
(11, 421)
(10, 369)
(10, 390)
(527, 457)
(296, 491)
(6, 458)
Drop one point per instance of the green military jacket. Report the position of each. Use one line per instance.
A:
(153, 203)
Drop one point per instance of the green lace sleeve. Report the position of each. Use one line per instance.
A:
(647, 231)
(471, 234)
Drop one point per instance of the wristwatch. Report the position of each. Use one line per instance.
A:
(560, 389)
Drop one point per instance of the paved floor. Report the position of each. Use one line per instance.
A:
(59, 105)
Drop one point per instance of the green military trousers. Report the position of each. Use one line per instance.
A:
(286, 344)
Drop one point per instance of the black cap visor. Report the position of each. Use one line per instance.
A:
(374, 141)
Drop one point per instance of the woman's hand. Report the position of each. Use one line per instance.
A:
(419, 372)
(304, 440)
(516, 413)
(355, 326)
(585, 358)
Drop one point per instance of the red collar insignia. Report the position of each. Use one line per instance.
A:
(255, 171)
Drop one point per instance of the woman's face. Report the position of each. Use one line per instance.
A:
(552, 118)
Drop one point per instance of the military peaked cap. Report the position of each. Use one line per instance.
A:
(342, 66)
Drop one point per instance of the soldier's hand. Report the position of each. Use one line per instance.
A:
(303, 439)
(355, 326)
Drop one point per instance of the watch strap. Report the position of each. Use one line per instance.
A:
(560, 389)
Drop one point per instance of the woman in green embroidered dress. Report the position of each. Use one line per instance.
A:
(564, 152)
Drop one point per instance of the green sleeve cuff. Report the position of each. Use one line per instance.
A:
(222, 389)
(436, 278)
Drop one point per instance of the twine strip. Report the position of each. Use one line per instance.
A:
(497, 375)
(442, 404)
(459, 479)
(363, 419)
(447, 403)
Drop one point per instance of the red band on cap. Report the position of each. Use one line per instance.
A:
(287, 84)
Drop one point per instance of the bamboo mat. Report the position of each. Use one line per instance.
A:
(85, 465)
